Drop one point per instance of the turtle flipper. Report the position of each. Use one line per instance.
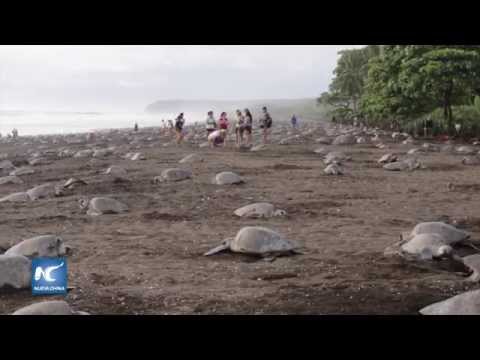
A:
(225, 245)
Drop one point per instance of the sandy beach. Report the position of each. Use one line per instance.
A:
(149, 259)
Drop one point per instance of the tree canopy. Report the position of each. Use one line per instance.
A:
(398, 83)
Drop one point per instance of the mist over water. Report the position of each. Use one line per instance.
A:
(43, 123)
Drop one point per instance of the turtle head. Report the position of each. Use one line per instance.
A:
(225, 245)
(444, 251)
(279, 213)
(83, 202)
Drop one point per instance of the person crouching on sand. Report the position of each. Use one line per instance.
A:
(211, 123)
(179, 123)
(217, 137)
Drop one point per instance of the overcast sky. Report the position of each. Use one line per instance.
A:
(127, 78)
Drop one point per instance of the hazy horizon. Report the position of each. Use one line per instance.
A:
(125, 79)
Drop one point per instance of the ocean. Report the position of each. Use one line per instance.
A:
(44, 123)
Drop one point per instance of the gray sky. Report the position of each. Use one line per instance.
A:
(127, 78)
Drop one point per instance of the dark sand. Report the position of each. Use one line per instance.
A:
(149, 260)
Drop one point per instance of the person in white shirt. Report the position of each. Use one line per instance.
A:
(217, 137)
(211, 123)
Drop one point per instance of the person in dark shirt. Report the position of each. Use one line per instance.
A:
(266, 124)
(179, 123)
(248, 125)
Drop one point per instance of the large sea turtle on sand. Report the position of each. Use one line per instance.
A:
(117, 173)
(16, 197)
(15, 271)
(4, 180)
(40, 246)
(259, 241)
(259, 210)
(429, 240)
(409, 164)
(427, 246)
(451, 234)
(387, 158)
(173, 175)
(467, 303)
(22, 171)
(227, 178)
(335, 157)
(54, 307)
(44, 191)
(192, 158)
(102, 205)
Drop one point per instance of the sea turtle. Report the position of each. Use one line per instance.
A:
(466, 150)
(427, 246)
(6, 165)
(15, 271)
(40, 246)
(138, 156)
(101, 153)
(471, 160)
(192, 158)
(45, 190)
(346, 139)
(450, 233)
(83, 153)
(73, 183)
(53, 307)
(406, 164)
(473, 263)
(321, 151)
(335, 157)
(387, 158)
(102, 205)
(467, 303)
(259, 147)
(259, 210)
(361, 140)
(16, 197)
(11, 179)
(324, 140)
(173, 174)
(116, 172)
(257, 240)
(227, 178)
(333, 169)
(22, 171)
(39, 161)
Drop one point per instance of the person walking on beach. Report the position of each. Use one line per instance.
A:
(179, 123)
(294, 122)
(248, 126)
(135, 128)
(211, 123)
(239, 128)
(266, 124)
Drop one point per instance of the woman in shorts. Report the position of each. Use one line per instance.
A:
(239, 128)
(266, 124)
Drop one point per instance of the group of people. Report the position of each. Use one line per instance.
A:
(217, 132)
(13, 135)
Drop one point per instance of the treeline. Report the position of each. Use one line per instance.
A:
(407, 87)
